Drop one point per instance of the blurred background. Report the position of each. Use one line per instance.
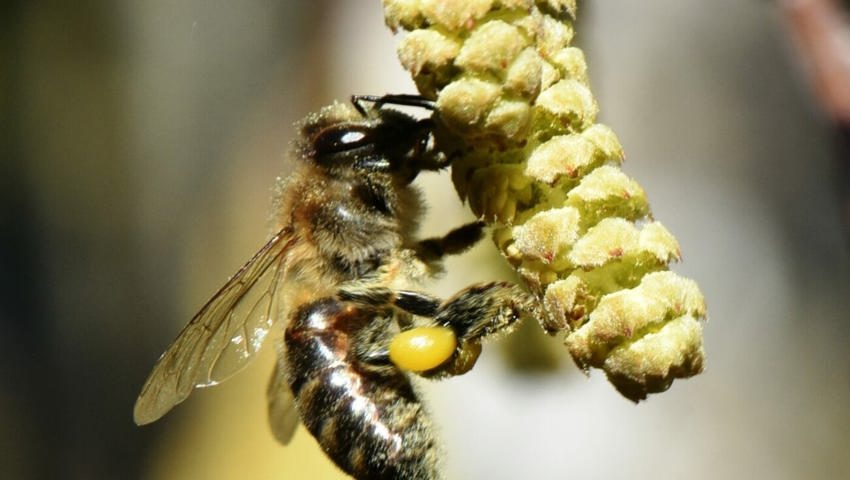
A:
(139, 143)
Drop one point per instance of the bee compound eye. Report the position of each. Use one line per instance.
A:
(340, 139)
(422, 348)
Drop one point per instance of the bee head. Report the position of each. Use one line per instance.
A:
(374, 140)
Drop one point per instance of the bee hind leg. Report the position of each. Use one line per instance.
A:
(476, 313)
(482, 310)
(473, 314)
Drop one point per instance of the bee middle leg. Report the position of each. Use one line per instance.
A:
(431, 249)
(413, 302)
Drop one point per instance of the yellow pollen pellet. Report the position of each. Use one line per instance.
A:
(422, 348)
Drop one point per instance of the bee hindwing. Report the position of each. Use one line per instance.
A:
(283, 416)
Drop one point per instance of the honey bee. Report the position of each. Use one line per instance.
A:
(339, 279)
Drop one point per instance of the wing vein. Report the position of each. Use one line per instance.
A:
(209, 349)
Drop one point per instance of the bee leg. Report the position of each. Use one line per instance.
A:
(359, 101)
(416, 303)
(475, 313)
(484, 309)
(370, 343)
(456, 241)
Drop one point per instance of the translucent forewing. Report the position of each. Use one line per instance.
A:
(224, 335)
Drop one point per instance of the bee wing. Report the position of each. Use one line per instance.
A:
(283, 417)
(223, 337)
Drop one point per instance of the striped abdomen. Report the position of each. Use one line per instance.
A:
(366, 418)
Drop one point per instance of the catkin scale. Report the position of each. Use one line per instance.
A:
(516, 112)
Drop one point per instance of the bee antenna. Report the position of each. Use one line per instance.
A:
(392, 99)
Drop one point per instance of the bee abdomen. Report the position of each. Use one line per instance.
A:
(368, 421)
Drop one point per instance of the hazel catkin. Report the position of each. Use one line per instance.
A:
(515, 110)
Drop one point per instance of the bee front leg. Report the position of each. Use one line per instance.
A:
(456, 241)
